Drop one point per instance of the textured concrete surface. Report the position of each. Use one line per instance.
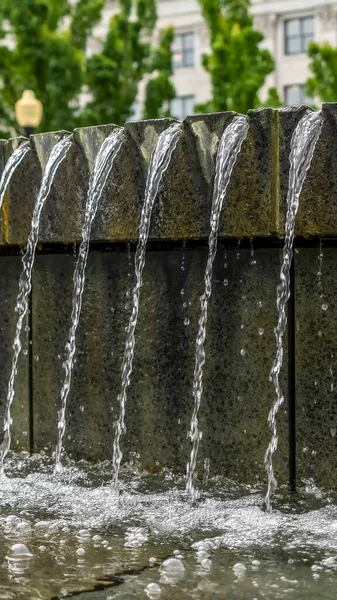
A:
(250, 203)
(240, 350)
(20, 198)
(317, 213)
(255, 205)
(287, 120)
(316, 371)
(62, 215)
(10, 270)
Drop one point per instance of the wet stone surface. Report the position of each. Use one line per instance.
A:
(10, 270)
(20, 198)
(316, 374)
(240, 348)
(317, 213)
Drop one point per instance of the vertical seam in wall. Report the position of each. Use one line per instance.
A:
(292, 379)
(30, 372)
(5, 219)
(275, 172)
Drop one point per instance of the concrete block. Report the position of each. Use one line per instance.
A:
(250, 208)
(183, 206)
(19, 200)
(96, 375)
(316, 352)
(10, 270)
(62, 215)
(288, 119)
(238, 393)
(317, 214)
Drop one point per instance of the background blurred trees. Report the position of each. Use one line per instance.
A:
(43, 47)
(323, 82)
(237, 65)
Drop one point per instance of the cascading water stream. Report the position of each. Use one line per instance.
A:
(56, 157)
(11, 165)
(229, 148)
(303, 145)
(160, 160)
(102, 168)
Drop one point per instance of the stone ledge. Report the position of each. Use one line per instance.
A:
(256, 200)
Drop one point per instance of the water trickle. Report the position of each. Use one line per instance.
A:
(12, 164)
(57, 155)
(252, 254)
(302, 149)
(160, 160)
(102, 168)
(229, 148)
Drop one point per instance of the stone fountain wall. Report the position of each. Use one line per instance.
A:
(240, 344)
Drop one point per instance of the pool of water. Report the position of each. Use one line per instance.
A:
(71, 535)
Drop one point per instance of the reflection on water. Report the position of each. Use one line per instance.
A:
(65, 533)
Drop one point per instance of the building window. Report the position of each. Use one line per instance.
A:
(182, 106)
(294, 95)
(183, 50)
(298, 33)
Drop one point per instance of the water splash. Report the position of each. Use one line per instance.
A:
(56, 157)
(229, 148)
(160, 160)
(303, 145)
(102, 168)
(11, 165)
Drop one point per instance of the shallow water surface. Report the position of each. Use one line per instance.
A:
(70, 535)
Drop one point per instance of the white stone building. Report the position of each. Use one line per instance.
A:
(288, 27)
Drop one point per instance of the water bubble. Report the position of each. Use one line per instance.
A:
(152, 560)
(320, 333)
(259, 304)
(225, 282)
(20, 551)
(82, 408)
(243, 352)
(186, 322)
(182, 292)
(23, 527)
(333, 431)
(80, 551)
(173, 565)
(153, 590)
(261, 331)
(42, 548)
(239, 569)
(96, 538)
(325, 306)
(242, 326)
(84, 533)
(206, 563)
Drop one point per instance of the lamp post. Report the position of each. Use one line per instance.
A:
(28, 112)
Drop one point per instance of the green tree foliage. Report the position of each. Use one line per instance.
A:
(114, 74)
(46, 57)
(237, 65)
(160, 90)
(47, 53)
(323, 83)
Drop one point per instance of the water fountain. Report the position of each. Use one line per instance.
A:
(214, 197)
